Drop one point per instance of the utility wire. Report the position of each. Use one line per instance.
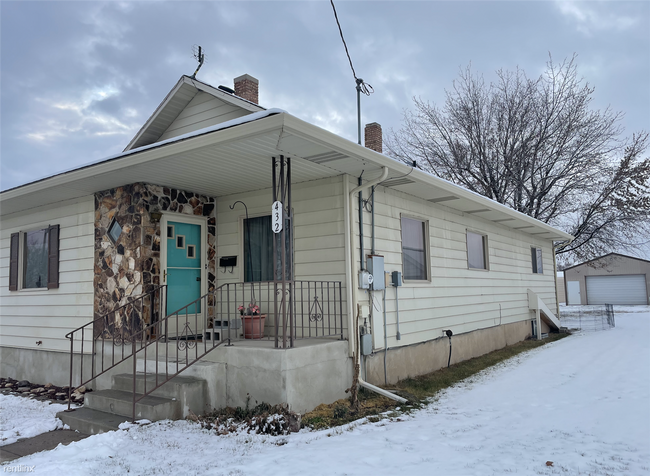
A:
(363, 87)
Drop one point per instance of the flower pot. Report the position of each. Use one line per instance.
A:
(254, 326)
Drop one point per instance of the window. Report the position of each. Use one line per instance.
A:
(536, 259)
(258, 250)
(114, 230)
(180, 242)
(34, 259)
(414, 249)
(477, 251)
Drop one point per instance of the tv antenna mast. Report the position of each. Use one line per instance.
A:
(199, 56)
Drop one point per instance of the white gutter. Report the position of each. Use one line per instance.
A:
(372, 183)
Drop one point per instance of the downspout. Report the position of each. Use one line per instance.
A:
(557, 301)
(385, 340)
(361, 250)
(381, 391)
(372, 220)
(350, 270)
(353, 330)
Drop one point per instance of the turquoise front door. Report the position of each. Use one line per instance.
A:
(183, 267)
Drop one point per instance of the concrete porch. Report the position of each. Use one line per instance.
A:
(314, 371)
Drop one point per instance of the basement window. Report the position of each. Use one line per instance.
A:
(536, 260)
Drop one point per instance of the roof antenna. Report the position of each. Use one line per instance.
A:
(198, 54)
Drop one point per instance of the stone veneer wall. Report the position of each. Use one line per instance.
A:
(131, 266)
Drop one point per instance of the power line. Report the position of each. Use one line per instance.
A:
(363, 87)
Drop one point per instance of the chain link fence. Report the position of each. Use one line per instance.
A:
(588, 318)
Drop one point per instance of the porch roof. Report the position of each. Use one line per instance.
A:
(234, 157)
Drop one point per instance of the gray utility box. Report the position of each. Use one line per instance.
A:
(375, 264)
(365, 344)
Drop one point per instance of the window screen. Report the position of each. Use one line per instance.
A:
(35, 259)
(476, 251)
(414, 254)
(258, 250)
(536, 259)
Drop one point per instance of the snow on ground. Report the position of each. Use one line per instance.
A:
(581, 402)
(21, 417)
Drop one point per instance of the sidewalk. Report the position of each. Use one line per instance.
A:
(43, 442)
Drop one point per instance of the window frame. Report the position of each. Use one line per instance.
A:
(486, 249)
(427, 248)
(52, 259)
(537, 259)
(242, 244)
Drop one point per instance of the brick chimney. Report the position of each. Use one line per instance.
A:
(372, 134)
(246, 87)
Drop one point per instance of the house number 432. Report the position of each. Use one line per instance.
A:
(276, 213)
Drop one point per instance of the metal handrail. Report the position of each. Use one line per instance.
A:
(118, 339)
(312, 309)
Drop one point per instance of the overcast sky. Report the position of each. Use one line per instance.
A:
(80, 78)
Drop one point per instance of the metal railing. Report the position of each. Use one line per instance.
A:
(109, 333)
(588, 318)
(292, 310)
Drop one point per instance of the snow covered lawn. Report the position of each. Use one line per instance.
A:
(21, 417)
(582, 403)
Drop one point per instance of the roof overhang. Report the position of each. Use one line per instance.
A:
(236, 156)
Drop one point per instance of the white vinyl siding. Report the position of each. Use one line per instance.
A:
(46, 315)
(456, 297)
(204, 110)
(319, 231)
(622, 289)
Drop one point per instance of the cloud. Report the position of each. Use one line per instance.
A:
(591, 17)
(85, 116)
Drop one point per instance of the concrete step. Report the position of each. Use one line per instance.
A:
(120, 402)
(191, 392)
(91, 422)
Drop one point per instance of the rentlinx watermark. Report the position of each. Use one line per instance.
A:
(21, 468)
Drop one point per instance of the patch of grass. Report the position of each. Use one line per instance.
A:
(430, 384)
(416, 390)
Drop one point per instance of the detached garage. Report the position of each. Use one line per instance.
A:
(609, 279)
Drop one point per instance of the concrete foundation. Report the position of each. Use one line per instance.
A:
(311, 373)
(426, 357)
(40, 366)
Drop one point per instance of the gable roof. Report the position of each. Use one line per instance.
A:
(605, 256)
(187, 92)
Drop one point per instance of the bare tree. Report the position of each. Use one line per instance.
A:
(537, 146)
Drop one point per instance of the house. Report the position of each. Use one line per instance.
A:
(152, 252)
(610, 279)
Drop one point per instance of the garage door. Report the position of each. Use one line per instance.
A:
(628, 289)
